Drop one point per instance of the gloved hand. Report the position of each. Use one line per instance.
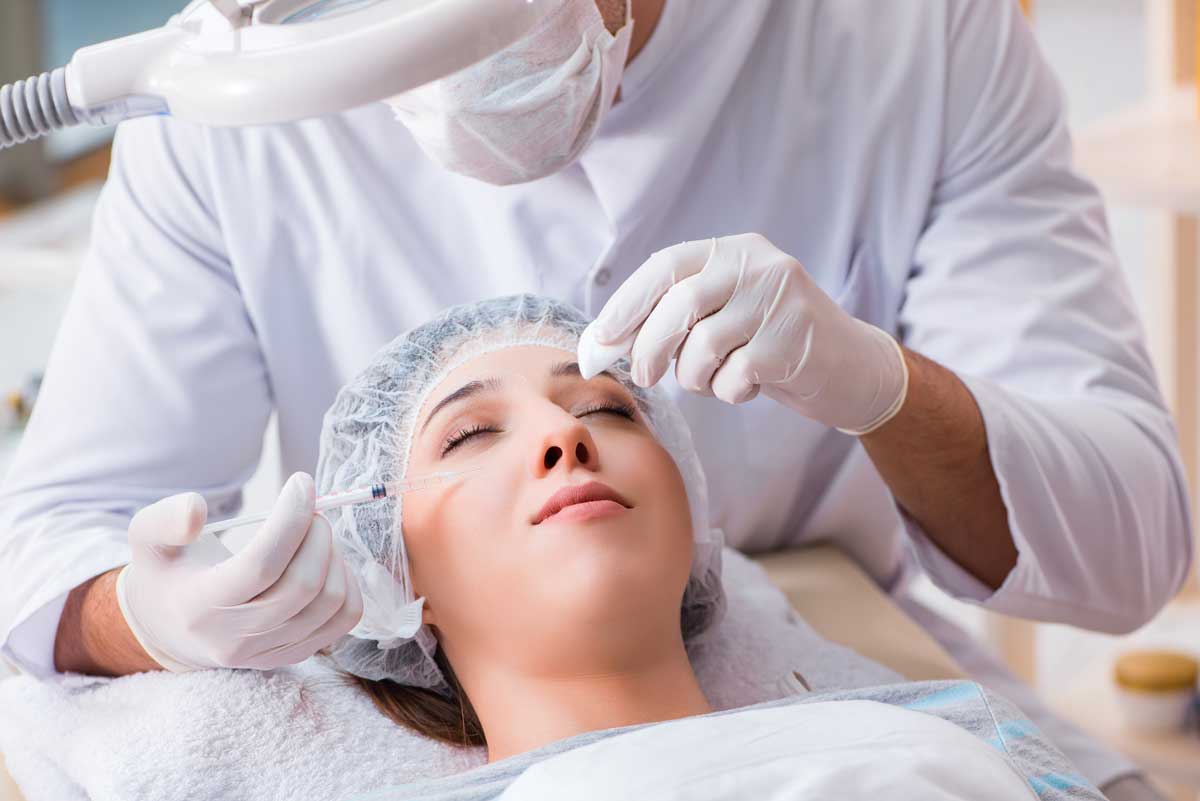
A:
(739, 316)
(193, 605)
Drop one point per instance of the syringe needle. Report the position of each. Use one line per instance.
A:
(334, 500)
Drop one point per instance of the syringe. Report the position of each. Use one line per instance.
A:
(350, 497)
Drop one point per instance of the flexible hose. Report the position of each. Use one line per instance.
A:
(34, 108)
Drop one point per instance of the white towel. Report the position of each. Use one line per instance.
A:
(301, 733)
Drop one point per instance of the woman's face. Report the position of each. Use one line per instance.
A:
(502, 579)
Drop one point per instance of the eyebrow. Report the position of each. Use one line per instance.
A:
(467, 390)
(471, 389)
(570, 369)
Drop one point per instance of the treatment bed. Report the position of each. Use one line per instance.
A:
(839, 601)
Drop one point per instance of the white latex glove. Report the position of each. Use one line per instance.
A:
(738, 316)
(192, 605)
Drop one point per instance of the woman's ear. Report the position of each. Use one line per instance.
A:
(427, 615)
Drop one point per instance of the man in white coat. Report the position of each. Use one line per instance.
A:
(896, 321)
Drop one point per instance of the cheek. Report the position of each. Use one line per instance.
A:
(650, 471)
(677, 513)
(455, 535)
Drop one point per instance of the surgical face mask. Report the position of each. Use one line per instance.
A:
(529, 110)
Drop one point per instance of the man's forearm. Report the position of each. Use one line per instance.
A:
(93, 637)
(934, 457)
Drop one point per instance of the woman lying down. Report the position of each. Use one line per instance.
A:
(543, 605)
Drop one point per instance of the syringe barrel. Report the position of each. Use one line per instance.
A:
(346, 498)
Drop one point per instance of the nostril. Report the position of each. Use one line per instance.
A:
(581, 453)
(553, 454)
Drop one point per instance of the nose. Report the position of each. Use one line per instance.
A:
(567, 444)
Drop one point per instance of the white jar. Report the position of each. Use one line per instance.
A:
(1156, 690)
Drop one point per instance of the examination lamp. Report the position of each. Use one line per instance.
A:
(257, 62)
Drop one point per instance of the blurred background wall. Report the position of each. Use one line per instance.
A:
(22, 177)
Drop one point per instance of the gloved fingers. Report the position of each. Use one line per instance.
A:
(300, 584)
(279, 618)
(736, 380)
(164, 528)
(667, 326)
(706, 348)
(637, 296)
(329, 627)
(306, 615)
(595, 358)
(267, 555)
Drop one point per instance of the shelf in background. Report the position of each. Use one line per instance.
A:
(1148, 155)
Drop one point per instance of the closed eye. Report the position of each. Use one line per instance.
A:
(608, 407)
(464, 434)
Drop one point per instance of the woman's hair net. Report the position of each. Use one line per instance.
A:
(367, 437)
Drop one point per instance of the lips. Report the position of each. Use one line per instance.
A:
(578, 493)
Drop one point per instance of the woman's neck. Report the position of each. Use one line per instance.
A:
(522, 712)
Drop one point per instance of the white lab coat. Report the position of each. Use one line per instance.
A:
(913, 156)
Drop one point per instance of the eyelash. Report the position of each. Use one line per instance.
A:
(462, 435)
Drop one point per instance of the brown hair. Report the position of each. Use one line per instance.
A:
(428, 713)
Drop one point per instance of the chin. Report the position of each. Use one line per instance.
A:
(615, 570)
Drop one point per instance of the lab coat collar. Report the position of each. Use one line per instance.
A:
(657, 50)
(648, 146)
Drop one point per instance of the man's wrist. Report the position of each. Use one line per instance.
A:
(915, 384)
(896, 374)
(93, 637)
(934, 457)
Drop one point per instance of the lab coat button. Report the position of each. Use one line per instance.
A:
(603, 277)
